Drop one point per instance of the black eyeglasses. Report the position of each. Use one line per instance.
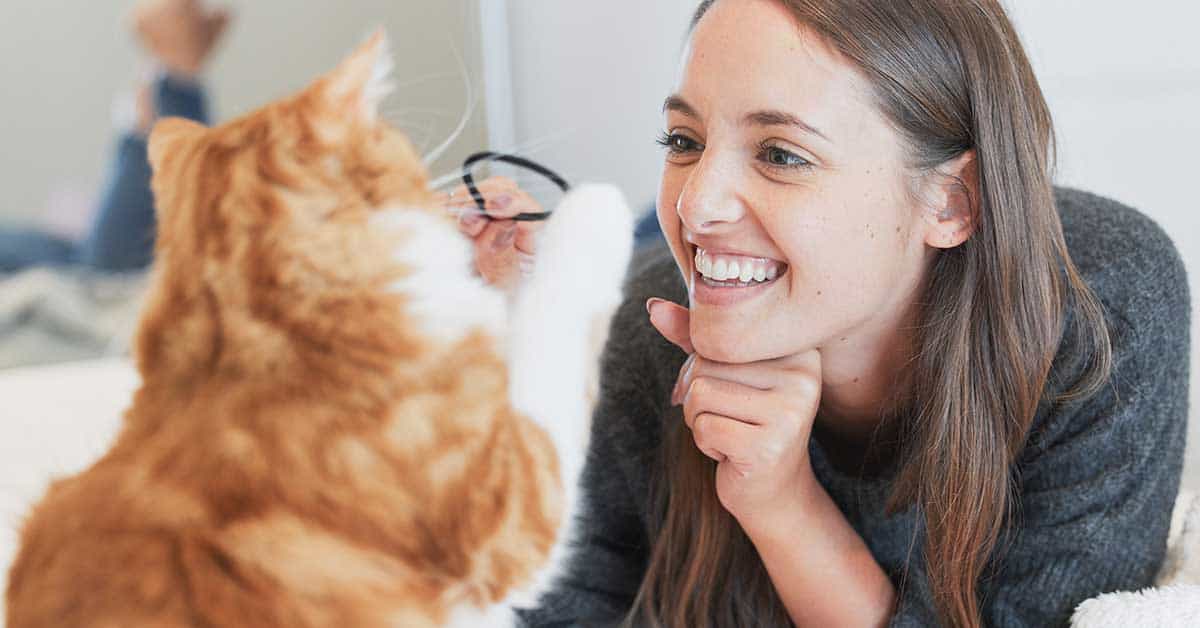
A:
(516, 161)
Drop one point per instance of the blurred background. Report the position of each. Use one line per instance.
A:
(575, 85)
(65, 62)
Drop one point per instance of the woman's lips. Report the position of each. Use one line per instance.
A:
(724, 279)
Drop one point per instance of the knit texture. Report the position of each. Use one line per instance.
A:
(1098, 477)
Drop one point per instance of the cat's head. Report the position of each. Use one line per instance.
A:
(265, 222)
(322, 155)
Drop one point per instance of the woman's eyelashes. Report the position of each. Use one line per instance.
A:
(779, 158)
(772, 156)
(677, 144)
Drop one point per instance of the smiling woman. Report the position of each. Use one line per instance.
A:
(913, 384)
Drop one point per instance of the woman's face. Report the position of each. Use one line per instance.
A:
(779, 163)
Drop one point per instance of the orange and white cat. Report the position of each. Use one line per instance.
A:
(339, 423)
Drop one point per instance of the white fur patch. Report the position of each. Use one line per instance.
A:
(470, 617)
(445, 294)
(380, 85)
(582, 256)
(553, 350)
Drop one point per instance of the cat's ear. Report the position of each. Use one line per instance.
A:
(167, 136)
(363, 80)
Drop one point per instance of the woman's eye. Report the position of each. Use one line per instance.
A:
(779, 158)
(677, 144)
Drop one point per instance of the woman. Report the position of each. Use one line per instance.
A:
(917, 387)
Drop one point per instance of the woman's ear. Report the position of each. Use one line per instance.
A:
(953, 212)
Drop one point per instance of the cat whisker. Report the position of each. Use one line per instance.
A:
(440, 113)
(538, 144)
(472, 101)
(423, 79)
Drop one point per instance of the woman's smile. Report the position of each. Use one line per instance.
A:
(724, 278)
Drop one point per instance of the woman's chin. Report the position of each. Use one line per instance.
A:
(730, 348)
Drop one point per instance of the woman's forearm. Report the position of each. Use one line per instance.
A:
(821, 568)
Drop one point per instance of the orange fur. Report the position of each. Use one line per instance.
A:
(298, 454)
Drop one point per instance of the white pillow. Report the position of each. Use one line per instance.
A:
(1175, 602)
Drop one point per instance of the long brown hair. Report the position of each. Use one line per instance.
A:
(951, 76)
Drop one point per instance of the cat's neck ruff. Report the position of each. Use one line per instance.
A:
(447, 299)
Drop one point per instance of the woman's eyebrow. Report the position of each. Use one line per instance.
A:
(781, 118)
(771, 117)
(676, 102)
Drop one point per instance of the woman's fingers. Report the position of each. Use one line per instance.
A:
(526, 241)
(800, 374)
(502, 198)
(743, 403)
(767, 409)
(471, 224)
(759, 375)
(503, 247)
(725, 439)
(495, 256)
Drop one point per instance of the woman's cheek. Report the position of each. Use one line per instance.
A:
(668, 220)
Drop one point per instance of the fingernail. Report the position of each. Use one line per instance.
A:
(502, 201)
(677, 392)
(651, 302)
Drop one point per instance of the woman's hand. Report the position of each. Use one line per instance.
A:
(754, 419)
(181, 34)
(503, 248)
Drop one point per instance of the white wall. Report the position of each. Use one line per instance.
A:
(62, 61)
(1124, 89)
(1122, 79)
(589, 79)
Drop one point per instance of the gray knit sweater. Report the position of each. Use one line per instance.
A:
(1098, 477)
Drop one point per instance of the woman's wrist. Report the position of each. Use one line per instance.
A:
(779, 522)
(822, 569)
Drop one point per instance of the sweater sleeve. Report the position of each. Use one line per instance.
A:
(1098, 477)
(605, 568)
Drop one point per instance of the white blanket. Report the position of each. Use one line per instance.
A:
(50, 315)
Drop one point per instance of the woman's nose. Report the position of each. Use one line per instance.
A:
(708, 198)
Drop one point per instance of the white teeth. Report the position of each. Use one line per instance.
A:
(743, 270)
(719, 269)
